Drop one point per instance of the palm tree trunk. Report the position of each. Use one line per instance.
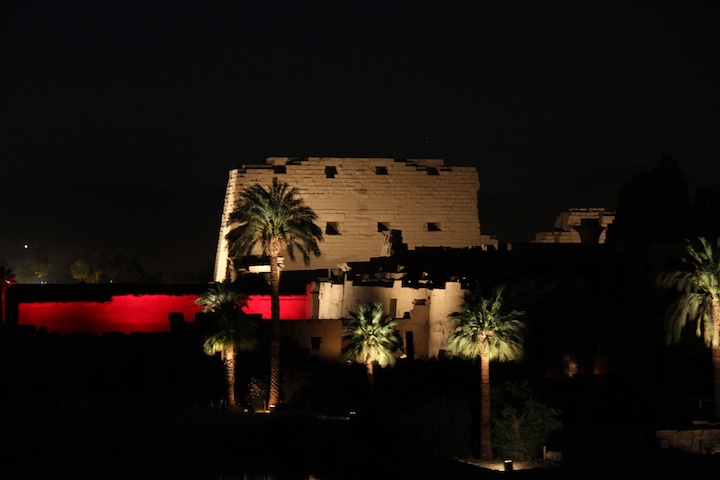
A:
(229, 361)
(716, 359)
(370, 374)
(3, 288)
(716, 375)
(276, 334)
(485, 418)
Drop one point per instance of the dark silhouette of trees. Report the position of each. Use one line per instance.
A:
(231, 330)
(698, 302)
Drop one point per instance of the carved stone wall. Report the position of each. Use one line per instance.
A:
(359, 201)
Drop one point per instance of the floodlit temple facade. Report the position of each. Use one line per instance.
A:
(579, 225)
(365, 205)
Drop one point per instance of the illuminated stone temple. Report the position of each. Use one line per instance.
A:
(365, 205)
(370, 208)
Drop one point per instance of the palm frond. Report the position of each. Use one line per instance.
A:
(485, 327)
(698, 287)
(276, 219)
(230, 326)
(370, 336)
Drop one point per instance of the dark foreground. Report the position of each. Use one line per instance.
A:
(132, 441)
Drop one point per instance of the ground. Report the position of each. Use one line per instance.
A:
(167, 440)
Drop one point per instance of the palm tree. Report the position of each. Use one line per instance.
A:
(699, 301)
(277, 220)
(80, 270)
(231, 331)
(7, 278)
(370, 337)
(486, 329)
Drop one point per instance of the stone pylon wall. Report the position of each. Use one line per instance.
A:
(431, 204)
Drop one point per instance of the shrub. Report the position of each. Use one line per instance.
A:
(436, 424)
(257, 394)
(521, 424)
(295, 383)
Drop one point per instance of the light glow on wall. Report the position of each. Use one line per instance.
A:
(292, 307)
(137, 313)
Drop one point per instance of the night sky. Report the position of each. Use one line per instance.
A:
(533, 93)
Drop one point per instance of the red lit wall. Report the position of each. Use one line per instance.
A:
(292, 307)
(136, 313)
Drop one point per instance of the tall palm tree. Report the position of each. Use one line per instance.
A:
(370, 337)
(231, 329)
(7, 278)
(485, 328)
(277, 220)
(699, 301)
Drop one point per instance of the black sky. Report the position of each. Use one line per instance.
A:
(531, 92)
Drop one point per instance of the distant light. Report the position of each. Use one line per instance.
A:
(25, 246)
(259, 268)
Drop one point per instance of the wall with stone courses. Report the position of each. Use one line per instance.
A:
(698, 440)
(443, 303)
(564, 223)
(429, 323)
(355, 295)
(328, 331)
(357, 198)
(221, 255)
(419, 326)
(331, 300)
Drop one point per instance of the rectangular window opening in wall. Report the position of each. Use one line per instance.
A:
(315, 344)
(419, 301)
(433, 227)
(432, 171)
(330, 172)
(381, 171)
(383, 226)
(332, 228)
(279, 169)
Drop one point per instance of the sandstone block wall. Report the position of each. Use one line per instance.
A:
(431, 204)
(444, 302)
(322, 338)
(422, 311)
(566, 222)
(698, 440)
